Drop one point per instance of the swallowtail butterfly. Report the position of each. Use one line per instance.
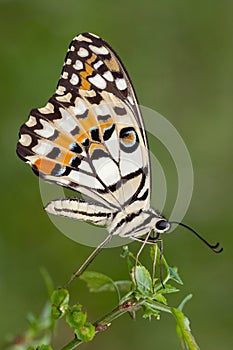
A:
(90, 137)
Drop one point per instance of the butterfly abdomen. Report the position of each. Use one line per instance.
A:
(80, 209)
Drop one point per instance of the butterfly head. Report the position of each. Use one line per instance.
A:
(162, 225)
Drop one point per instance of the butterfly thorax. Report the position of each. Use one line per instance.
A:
(134, 224)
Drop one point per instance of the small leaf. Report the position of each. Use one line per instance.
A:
(161, 299)
(86, 332)
(98, 282)
(47, 280)
(183, 330)
(75, 317)
(168, 289)
(143, 280)
(156, 306)
(148, 312)
(44, 347)
(174, 275)
(59, 301)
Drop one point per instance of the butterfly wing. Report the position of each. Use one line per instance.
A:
(90, 136)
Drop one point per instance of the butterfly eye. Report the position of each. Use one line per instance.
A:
(162, 226)
(128, 139)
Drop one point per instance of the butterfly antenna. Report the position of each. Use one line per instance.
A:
(215, 248)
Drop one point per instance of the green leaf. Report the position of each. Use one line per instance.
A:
(142, 281)
(98, 282)
(75, 317)
(47, 280)
(185, 300)
(183, 330)
(148, 312)
(174, 275)
(160, 298)
(168, 288)
(86, 332)
(59, 301)
(156, 306)
(44, 347)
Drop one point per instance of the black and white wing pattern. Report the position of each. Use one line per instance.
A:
(90, 136)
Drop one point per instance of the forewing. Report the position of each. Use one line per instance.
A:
(88, 133)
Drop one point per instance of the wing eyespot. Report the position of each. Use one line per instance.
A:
(129, 141)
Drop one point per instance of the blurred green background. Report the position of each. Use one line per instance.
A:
(179, 55)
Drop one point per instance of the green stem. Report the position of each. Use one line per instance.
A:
(105, 322)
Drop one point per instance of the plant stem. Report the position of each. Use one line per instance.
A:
(105, 322)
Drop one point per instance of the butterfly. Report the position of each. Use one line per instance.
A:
(90, 137)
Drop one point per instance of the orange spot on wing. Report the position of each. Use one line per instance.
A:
(85, 84)
(64, 141)
(44, 165)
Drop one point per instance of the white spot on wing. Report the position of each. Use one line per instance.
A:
(49, 108)
(98, 64)
(64, 98)
(67, 123)
(82, 52)
(68, 61)
(78, 65)
(85, 180)
(107, 170)
(74, 79)
(113, 146)
(60, 90)
(25, 140)
(102, 109)
(83, 38)
(121, 83)
(80, 107)
(85, 166)
(65, 75)
(130, 100)
(108, 75)
(98, 81)
(31, 121)
(43, 148)
(47, 130)
(99, 50)
(94, 35)
(130, 162)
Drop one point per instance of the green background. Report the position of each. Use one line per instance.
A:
(179, 55)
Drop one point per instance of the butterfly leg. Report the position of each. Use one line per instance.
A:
(87, 262)
(138, 254)
(78, 208)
